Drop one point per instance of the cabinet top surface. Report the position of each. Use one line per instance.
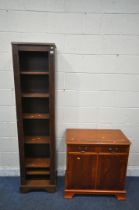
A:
(96, 136)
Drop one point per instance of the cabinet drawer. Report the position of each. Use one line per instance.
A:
(114, 148)
(83, 148)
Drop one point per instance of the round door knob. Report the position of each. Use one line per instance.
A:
(78, 158)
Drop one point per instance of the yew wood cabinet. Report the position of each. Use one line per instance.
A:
(96, 162)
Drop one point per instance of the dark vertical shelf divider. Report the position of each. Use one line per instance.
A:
(34, 75)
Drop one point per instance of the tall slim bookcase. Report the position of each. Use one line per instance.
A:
(34, 76)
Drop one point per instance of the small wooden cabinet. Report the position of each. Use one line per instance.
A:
(34, 72)
(96, 162)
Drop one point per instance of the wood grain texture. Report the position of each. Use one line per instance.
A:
(96, 136)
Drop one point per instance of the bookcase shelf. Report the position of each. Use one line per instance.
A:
(37, 139)
(35, 95)
(34, 87)
(37, 172)
(35, 116)
(37, 183)
(37, 163)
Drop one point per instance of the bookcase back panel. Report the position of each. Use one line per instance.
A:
(33, 61)
(37, 177)
(34, 84)
(35, 105)
(36, 127)
(37, 151)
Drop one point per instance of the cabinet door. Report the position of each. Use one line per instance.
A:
(81, 171)
(111, 172)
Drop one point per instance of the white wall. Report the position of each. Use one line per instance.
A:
(97, 68)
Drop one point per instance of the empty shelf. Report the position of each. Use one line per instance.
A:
(35, 116)
(37, 163)
(36, 139)
(35, 95)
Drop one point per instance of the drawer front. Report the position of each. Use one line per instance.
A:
(83, 148)
(114, 149)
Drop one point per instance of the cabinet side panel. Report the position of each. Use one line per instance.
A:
(16, 69)
(52, 112)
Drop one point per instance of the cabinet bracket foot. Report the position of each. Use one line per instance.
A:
(121, 197)
(68, 195)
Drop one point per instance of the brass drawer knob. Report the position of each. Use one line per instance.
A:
(110, 149)
(78, 158)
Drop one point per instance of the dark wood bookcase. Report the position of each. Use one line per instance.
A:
(34, 75)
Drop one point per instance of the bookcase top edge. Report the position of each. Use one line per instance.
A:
(33, 43)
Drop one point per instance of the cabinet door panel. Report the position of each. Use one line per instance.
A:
(111, 172)
(81, 171)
